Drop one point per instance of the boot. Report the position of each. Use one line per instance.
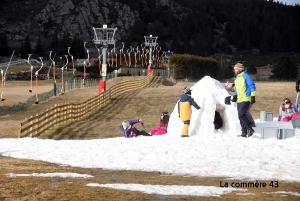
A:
(250, 132)
(185, 130)
(244, 134)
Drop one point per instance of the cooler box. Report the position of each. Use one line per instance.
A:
(287, 133)
(296, 122)
(270, 132)
(266, 116)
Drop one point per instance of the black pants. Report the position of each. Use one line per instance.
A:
(144, 133)
(242, 111)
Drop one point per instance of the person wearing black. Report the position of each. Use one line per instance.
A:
(298, 82)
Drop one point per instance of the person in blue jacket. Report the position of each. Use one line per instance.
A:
(130, 131)
(185, 110)
(230, 88)
(244, 95)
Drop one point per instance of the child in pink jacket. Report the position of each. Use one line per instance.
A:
(162, 127)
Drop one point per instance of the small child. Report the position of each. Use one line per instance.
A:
(162, 127)
(185, 109)
(130, 131)
(229, 86)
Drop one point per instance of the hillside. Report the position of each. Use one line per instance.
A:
(203, 27)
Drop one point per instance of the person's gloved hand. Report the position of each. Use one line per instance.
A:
(142, 124)
(252, 99)
(234, 98)
(279, 118)
(297, 89)
(227, 100)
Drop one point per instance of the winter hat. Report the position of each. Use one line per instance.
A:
(125, 124)
(239, 66)
(187, 90)
(228, 86)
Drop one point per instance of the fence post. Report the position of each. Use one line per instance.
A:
(51, 117)
(65, 112)
(26, 119)
(56, 115)
(46, 119)
(31, 126)
(19, 130)
(37, 125)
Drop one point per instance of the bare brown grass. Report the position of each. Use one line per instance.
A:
(146, 103)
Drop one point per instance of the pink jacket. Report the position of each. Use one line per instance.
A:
(160, 129)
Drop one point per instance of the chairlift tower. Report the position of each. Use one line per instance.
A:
(167, 56)
(104, 36)
(151, 42)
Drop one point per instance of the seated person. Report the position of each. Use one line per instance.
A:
(130, 131)
(287, 111)
(162, 127)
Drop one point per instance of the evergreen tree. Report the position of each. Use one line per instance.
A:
(251, 69)
(38, 50)
(54, 44)
(291, 66)
(63, 45)
(266, 42)
(228, 71)
(286, 69)
(4, 49)
(25, 48)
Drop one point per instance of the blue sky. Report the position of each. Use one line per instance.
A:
(289, 2)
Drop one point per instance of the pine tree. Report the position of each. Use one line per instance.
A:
(25, 48)
(38, 50)
(4, 49)
(286, 69)
(251, 69)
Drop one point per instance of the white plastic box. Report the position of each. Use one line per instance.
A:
(287, 133)
(270, 132)
(296, 122)
(266, 116)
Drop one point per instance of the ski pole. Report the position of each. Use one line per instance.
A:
(2, 99)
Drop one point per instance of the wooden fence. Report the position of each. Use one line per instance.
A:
(36, 125)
